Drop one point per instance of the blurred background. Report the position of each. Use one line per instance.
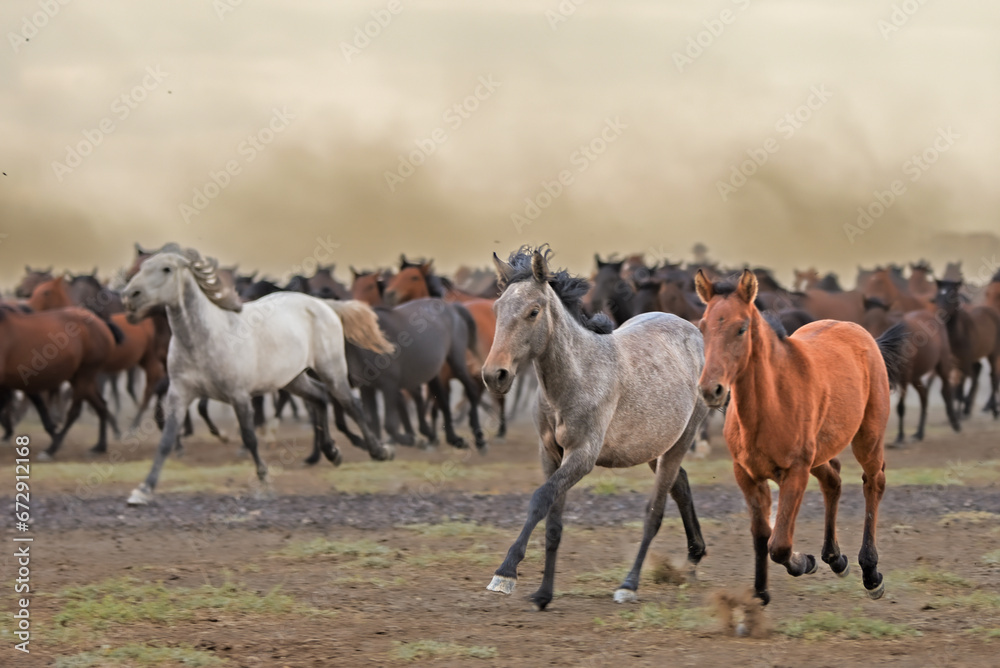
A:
(431, 128)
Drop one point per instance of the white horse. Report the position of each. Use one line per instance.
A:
(228, 351)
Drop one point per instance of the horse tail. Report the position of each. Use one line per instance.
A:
(890, 344)
(116, 332)
(470, 325)
(361, 325)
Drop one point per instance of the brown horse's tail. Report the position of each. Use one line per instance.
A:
(116, 333)
(891, 344)
(361, 325)
(470, 324)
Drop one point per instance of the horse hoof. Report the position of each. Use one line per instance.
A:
(483, 447)
(99, 450)
(43, 456)
(386, 454)
(223, 437)
(625, 596)
(811, 565)
(312, 461)
(844, 573)
(141, 496)
(338, 458)
(502, 584)
(742, 631)
(876, 593)
(459, 443)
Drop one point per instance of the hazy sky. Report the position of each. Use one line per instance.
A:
(161, 95)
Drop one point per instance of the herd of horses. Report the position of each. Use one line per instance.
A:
(628, 365)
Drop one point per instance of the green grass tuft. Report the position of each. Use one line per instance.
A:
(433, 649)
(822, 625)
(132, 656)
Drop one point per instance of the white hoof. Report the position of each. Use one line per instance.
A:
(844, 573)
(502, 584)
(141, 496)
(877, 592)
(692, 573)
(625, 596)
(388, 452)
(742, 631)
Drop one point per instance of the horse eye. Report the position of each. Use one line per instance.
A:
(534, 313)
(743, 330)
(166, 270)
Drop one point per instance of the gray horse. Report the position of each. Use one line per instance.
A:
(613, 399)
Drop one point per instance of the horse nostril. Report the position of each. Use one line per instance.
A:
(717, 391)
(502, 375)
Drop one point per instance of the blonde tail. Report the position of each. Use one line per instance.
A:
(361, 325)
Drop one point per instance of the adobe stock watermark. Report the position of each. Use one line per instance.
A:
(581, 159)
(121, 108)
(913, 167)
(248, 150)
(562, 12)
(33, 24)
(453, 117)
(900, 15)
(714, 27)
(370, 30)
(224, 7)
(786, 126)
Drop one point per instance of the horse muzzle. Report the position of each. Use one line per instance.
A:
(714, 394)
(498, 379)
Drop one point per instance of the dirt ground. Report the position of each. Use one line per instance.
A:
(387, 563)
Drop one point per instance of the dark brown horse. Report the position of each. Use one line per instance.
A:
(974, 334)
(368, 286)
(795, 403)
(137, 347)
(41, 351)
(927, 351)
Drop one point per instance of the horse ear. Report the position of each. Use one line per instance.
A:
(504, 270)
(703, 286)
(747, 286)
(253, 276)
(27, 268)
(381, 287)
(539, 267)
(402, 260)
(354, 272)
(597, 259)
(427, 268)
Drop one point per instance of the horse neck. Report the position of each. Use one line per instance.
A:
(752, 387)
(193, 315)
(569, 356)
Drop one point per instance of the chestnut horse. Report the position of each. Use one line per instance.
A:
(41, 351)
(796, 402)
(137, 348)
(882, 286)
(974, 334)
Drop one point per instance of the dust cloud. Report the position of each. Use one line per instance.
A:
(280, 135)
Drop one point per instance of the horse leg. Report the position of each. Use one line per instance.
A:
(315, 399)
(112, 380)
(901, 411)
(244, 416)
(397, 416)
(71, 416)
(43, 414)
(666, 473)
(100, 406)
(341, 392)
(828, 475)
(176, 405)
(576, 464)
(473, 394)
(203, 412)
(791, 489)
(867, 446)
(553, 536)
(994, 400)
(758, 499)
(502, 408)
(257, 402)
(681, 494)
(970, 398)
(440, 395)
(188, 425)
(6, 420)
(428, 429)
(668, 466)
(944, 373)
(921, 389)
(130, 384)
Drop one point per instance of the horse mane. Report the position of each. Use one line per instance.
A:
(206, 277)
(570, 289)
(88, 279)
(830, 283)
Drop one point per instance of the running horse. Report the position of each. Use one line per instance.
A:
(796, 402)
(228, 351)
(607, 397)
(137, 347)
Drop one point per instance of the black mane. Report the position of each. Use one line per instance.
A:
(570, 289)
(727, 286)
